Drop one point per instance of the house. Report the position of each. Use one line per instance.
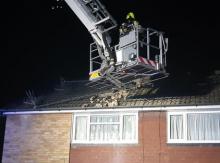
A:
(78, 124)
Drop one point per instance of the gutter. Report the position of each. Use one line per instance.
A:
(118, 109)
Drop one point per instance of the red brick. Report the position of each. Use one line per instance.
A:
(152, 147)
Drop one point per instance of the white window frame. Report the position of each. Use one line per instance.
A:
(184, 140)
(120, 141)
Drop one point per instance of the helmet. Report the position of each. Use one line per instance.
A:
(130, 15)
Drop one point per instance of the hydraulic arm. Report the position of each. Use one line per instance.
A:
(98, 21)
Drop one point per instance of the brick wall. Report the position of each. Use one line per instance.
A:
(45, 138)
(42, 138)
(152, 147)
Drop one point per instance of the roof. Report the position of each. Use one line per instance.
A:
(128, 99)
(77, 94)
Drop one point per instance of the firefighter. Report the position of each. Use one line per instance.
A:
(123, 29)
(129, 25)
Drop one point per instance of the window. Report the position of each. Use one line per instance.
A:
(105, 128)
(194, 127)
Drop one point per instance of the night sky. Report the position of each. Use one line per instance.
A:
(46, 42)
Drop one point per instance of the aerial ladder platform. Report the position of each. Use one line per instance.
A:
(139, 58)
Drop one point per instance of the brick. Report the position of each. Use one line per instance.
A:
(42, 138)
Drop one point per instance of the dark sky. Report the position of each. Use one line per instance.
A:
(45, 44)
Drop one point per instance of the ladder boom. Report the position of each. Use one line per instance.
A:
(98, 22)
(94, 16)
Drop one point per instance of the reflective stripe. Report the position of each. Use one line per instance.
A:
(146, 61)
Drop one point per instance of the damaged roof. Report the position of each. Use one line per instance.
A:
(135, 98)
(77, 94)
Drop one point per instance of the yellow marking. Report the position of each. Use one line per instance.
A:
(94, 75)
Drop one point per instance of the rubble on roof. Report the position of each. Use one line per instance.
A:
(109, 99)
(115, 97)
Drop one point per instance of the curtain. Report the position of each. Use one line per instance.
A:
(104, 128)
(104, 132)
(203, 126)
(81, 128)
(129, 127)
(176, 127)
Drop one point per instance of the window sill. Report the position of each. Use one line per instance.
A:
(105, 143)
(193, 142)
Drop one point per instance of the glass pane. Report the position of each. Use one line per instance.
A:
(103, 132)
(93, 119)
(176, 127)
(129, 127)
(203, 126)
(104, 118)
(81, 128)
